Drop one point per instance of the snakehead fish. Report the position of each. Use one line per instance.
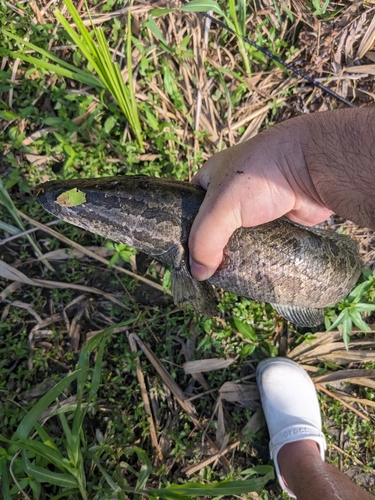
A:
(298, 270)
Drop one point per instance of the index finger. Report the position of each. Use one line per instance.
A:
(210, 232)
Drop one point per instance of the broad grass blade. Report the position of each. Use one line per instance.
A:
(4, 475)
(146, 468)
(179, 491)
(203, 6)
(32, 416)
(46, 476)
(9, 228)
(44, 451)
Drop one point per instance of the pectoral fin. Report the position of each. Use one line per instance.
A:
(302, 316)
(199, 295)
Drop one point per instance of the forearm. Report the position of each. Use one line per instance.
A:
(339, 151)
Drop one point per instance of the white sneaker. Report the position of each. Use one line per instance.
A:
(290, 406)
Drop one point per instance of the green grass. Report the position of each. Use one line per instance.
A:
(74, 423)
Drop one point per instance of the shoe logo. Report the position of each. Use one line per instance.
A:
(294, 432)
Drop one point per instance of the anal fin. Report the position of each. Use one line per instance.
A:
(186, 290)
(301, 316)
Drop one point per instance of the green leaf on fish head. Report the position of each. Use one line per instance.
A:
(71, 198)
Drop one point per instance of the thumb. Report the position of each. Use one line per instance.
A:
(210, 232)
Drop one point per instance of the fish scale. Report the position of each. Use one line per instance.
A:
(298, 270)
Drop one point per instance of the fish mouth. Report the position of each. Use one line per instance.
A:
(38, 190)
(48, 192)
(43, 196)
(46, 197)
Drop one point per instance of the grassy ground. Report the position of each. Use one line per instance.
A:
(146, 408)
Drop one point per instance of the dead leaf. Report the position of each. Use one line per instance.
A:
(367, 41)
(207, 365)
(36, 135)
(145, 398)
(365, 69)
(29, 309)
(345, 357)
(350, 375)
(74, 253)
(371, 55)
(361, 401)
(9, 290)
(37, 13)
(256, 422)
(36, 159)
(309, 345)
(328, 346)
(38, 390)
(365, 382)
(220, 429)
(322, 350)
(253, 127)
(189, 471)
(230, 391)
(10, 273)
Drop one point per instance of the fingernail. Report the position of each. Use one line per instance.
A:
(199, 271)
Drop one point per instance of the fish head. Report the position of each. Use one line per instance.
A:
(145, 213)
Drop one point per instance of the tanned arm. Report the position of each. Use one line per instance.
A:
(339, 150)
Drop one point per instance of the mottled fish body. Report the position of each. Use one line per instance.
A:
(297, 270)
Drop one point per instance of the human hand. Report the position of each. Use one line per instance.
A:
(251, 184)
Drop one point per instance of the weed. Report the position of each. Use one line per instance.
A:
(351, 309)
(318, 8)
(121, 252)
(98, 57)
